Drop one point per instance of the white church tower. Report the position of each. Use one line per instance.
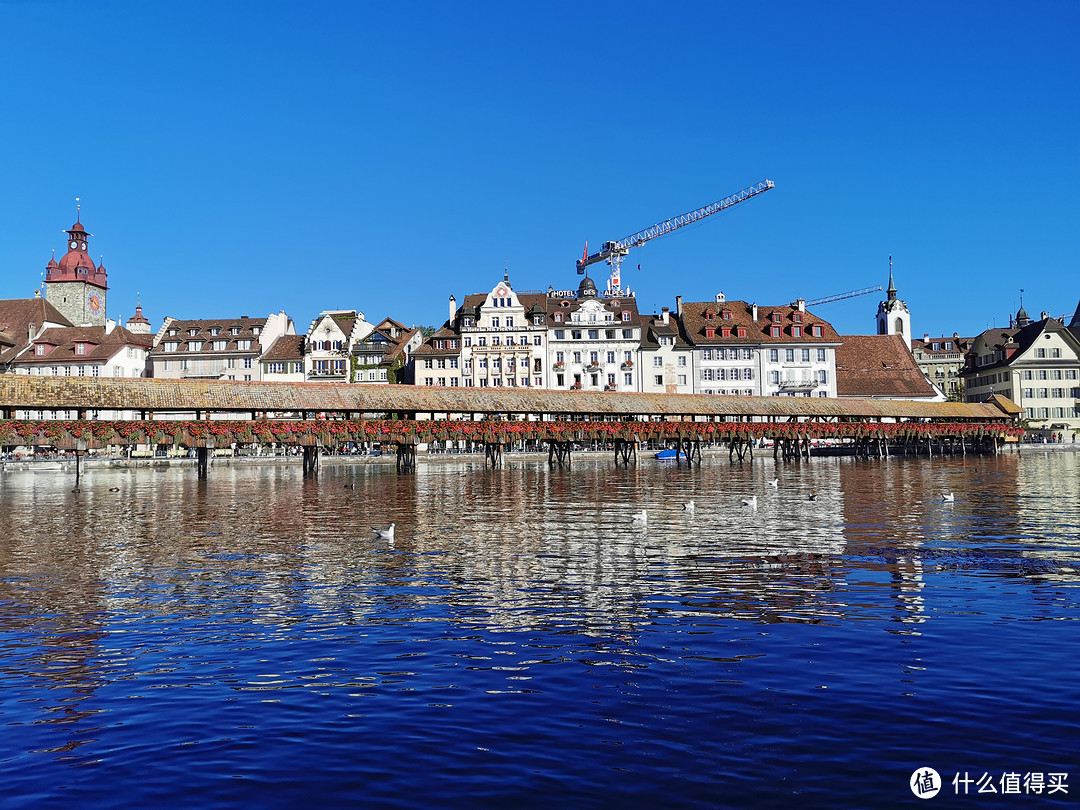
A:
(893, 317)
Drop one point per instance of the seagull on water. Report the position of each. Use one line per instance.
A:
(813, 495)
(947, 496)
(384, 534)
(688, 506)
(751, 501)
(640, 517)
(775, 482)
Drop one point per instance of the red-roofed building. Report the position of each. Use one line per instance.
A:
(748, 350)
(880, 367)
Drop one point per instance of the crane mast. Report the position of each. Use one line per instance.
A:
(614, 252)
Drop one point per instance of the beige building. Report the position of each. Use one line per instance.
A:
(1036, 364)
(216, 348)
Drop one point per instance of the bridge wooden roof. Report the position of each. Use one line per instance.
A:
(163, 396)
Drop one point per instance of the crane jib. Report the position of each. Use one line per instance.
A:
(616, 250)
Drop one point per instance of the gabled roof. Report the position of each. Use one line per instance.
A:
(879, 366)
(99, 346)
(696, 323)
(202, 329)
(286, 347)
(16, 315)
(1019, 340)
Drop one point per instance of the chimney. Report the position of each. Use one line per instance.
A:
(926, 337)
(753, 312)
(453, 308)
(1043, 315)
(678, 305)
(664, 315)
(720, 298)
(800, 304)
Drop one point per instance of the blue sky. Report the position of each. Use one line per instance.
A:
(243, 158)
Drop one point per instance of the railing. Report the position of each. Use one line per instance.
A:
(798, 385)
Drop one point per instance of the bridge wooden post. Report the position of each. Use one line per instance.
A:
(406, 455)
(202, 456)
(310, 446)
(559, 451)
(626, 451)
(493, 451)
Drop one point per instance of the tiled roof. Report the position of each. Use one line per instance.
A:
(98, 346)
(286, 347)
(161, 395)
(878, 366)
(16, 315)
(246, 326)
(696, 322)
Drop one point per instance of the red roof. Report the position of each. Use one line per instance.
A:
(879, 366)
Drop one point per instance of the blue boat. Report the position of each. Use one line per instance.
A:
(668, 455)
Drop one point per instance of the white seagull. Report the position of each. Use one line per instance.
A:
(640, 517)
(775, 482)
(688, 506)
(751, 501)
(947, 496)
(384, 534)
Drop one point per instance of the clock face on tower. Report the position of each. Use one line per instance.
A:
(73, 244)
(94, 302)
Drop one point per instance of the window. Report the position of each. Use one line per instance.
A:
(806, 355)
(234, 330)
(796, 331)
(789, 355)
(80, 348)
(626, 315)
(774, 355)
(215, 330)
(577, 357)
(796, 317)
(658, 362)
(195, 345)
(575, 334)
(611, 357)
(494, 323)
(220, 345)
(747, 354)
(628, 334)
(192, 332)
(659, 379)
(628, 379)
(823, 377)
(774, 377)
(594, 334)
(821, 355)
(774, 331)
(558, 317)
(682, 360)
(710, 332)
(1055, 352)
(1040, 353)
(708, 374)
(39, 350)
(682, 379)
(815, 331)
(748, 374)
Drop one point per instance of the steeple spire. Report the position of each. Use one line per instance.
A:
(892, 284)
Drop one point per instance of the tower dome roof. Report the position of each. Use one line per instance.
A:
(587, 288)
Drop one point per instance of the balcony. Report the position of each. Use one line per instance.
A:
(628, 365)
(326, 373)
(798, 385)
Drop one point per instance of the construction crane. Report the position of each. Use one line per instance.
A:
(615, 252)
(830, 298)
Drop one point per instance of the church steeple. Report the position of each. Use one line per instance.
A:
(893, 317)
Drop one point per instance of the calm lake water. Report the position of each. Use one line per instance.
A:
(248, 642)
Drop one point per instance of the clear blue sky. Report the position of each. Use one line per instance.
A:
(243, 158)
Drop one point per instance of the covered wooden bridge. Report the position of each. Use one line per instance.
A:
(82, 413)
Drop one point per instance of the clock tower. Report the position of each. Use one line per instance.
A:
(893, 317)
(74, 285)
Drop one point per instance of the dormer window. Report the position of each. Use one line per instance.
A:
(235, 330)
(774, 331)
(796, 317)
(256, 330)
(740, 331)
(709, 314)
(796, 331)
(80, 348)
(195, 345)
(626, 315)
(777, 317)
(558, 317)
(725, 331)
(215, 330)
(726, 315)
(815, 330)
(193, 332)
(39, 350)
(173, 332)
(710, 332)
